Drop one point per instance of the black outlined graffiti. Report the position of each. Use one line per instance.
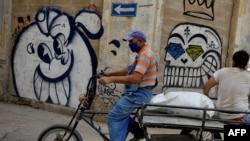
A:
(108, 93)
(53, 58)
(203, 9)
(117, 44)
(193, 53)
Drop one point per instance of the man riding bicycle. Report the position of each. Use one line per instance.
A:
(139, 78)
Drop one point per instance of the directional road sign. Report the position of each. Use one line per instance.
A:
(124, 9)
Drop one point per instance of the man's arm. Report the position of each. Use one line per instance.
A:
(208, 85)
(134, 78)
(121, 72)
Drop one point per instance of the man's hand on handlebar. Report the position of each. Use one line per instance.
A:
(105, 80)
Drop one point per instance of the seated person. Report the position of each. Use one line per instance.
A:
(233, 88)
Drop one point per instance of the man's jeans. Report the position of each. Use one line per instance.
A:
(246, 118)
(118, 119)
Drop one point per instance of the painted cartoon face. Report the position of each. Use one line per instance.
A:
(193, 53)
(53, 60)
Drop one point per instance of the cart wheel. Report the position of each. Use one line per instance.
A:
(59, 133)
(206, 135)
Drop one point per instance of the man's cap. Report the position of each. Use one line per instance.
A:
(135, 34)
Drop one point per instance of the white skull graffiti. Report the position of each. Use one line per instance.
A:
(193, 53)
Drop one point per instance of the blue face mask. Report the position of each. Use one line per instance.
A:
(133, 47)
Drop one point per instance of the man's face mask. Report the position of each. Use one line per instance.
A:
(134, 47)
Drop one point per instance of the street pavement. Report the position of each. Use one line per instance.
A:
(25, 123)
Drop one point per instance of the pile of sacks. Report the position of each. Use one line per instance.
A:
(185, 99)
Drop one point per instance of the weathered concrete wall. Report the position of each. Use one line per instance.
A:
(243, 31)
(4, 47)
(240, 31)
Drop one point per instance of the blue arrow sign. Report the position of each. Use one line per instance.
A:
(124, 9)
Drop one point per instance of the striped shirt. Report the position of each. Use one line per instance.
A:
(146, 64)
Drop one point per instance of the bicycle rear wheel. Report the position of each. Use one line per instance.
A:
(59, 133)
(206, 135)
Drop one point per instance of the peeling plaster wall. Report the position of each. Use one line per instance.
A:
(243, 32)
(240, 31)
(4, 47)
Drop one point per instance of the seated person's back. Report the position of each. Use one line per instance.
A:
(233, 88)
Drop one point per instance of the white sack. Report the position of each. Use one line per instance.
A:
(183, 98)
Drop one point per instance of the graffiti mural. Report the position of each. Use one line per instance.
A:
(117, 44)
(53, 58)
(193, 53)
(203, 9)
(108, 93)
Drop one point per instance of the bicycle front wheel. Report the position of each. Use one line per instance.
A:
(59, 133)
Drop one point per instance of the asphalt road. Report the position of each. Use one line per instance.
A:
(25, 123)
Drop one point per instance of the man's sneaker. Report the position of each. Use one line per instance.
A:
(137, 138)
(137, 131)
(139, 134)
(134, 139)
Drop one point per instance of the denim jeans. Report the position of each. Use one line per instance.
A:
(246, 118)
(118, 119)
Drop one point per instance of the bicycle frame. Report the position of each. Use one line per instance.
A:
(87, 115)
(84, 106)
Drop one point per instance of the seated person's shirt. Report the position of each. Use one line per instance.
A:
(233, 91)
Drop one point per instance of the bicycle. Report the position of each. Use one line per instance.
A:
(61, 132)
(68, 132)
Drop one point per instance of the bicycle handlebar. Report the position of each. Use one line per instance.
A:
(91, 86)
(101, 73)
